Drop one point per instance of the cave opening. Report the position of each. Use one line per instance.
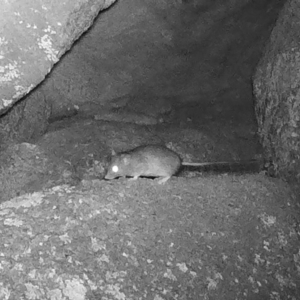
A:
(178, 74)
(174, 73)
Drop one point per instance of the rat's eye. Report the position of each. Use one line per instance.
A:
(115, 169)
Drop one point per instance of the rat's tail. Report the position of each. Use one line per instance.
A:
(244, 166)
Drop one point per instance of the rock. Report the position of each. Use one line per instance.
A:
(222, 238)
(34, 35)
(26, 120)
(277, 94)
(27, 167)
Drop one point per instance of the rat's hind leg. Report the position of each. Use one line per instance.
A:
(164, 179)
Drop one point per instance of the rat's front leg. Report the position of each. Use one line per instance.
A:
(164, 180)
(134, 178)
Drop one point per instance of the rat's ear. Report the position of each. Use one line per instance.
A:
(113, 152)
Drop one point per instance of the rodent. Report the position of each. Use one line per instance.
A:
(153, 161)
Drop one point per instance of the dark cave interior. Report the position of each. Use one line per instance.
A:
(183, 75)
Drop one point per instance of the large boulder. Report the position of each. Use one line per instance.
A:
(34, 36)
(210, 238)
(277, 93)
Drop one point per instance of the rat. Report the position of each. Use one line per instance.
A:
(152, 161)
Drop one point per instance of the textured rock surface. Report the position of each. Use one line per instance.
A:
(206, 238)
(26, 168)
(33, 36)
(277, 93)
(26, 120)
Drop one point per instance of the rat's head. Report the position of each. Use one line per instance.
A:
(118, 166)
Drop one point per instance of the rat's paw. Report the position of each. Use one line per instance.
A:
(164, 180)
